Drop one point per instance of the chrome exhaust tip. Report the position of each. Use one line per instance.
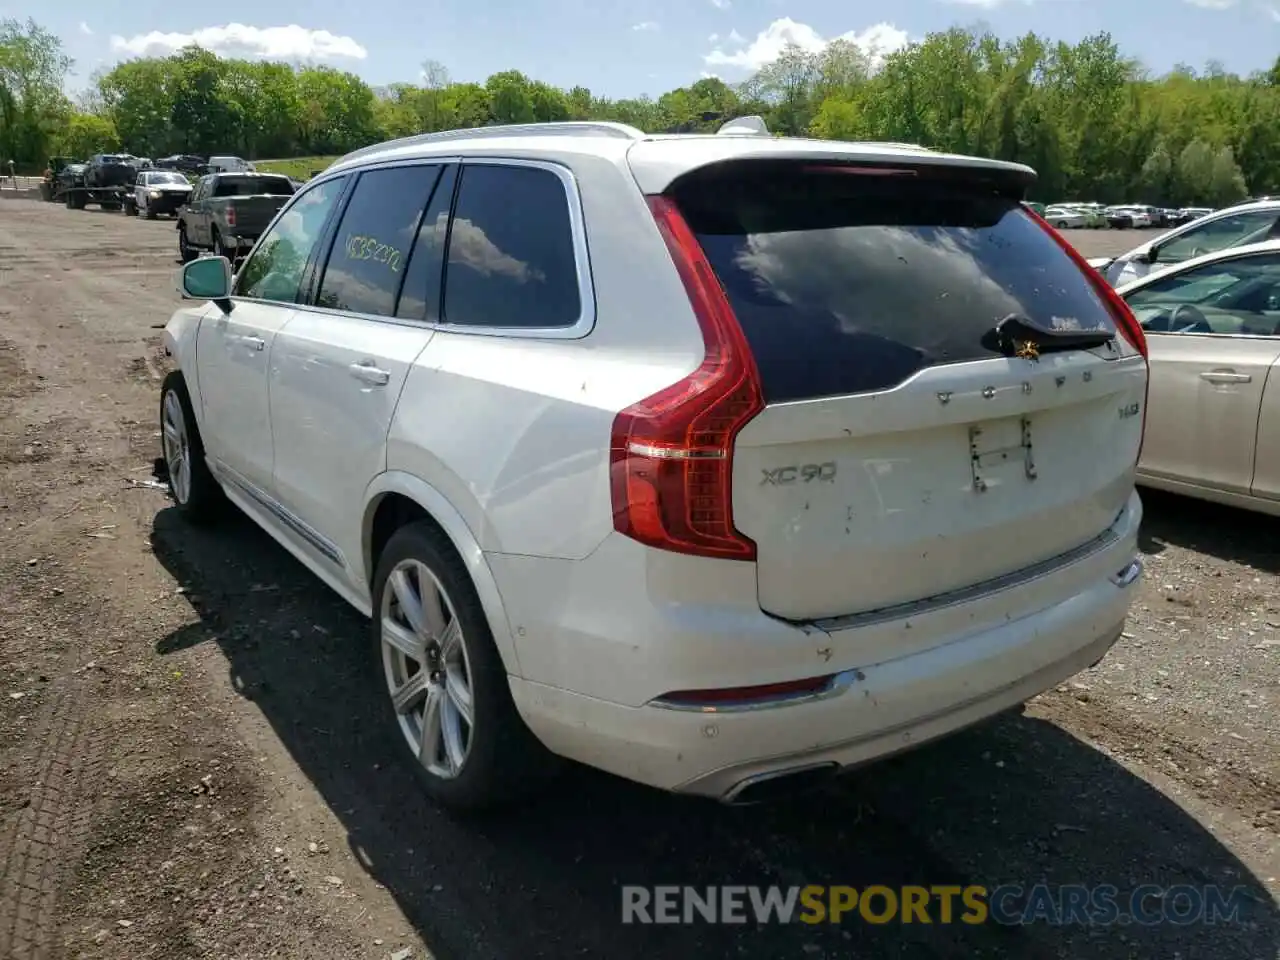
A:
(778, 784)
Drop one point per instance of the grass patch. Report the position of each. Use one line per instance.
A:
(300, 168)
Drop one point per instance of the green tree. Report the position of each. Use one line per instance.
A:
(33, 108)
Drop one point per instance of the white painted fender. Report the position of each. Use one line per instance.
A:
(179, 339)
(464, 541)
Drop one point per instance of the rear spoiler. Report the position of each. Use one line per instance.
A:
(657, 163)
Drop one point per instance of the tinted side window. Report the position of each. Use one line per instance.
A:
(511, 258)
(850, 284)
(371, 248)
(420, 295)
(275, 267)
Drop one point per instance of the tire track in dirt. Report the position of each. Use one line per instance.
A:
(50, 832)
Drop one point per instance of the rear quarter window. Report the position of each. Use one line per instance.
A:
(850, 283)
(511, 262)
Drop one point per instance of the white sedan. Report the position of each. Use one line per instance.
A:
(1233, 227)
(1213, 404)
(1065, 217)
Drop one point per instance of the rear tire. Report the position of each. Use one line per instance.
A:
(185, 251)
(220, 250)
(191, 483)
(448, 659)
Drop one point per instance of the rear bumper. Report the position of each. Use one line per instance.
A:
(876, 705)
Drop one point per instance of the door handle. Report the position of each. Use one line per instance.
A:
(253, 343)
(1225, 376)
(368, 373)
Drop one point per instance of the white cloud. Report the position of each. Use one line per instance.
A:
(86, 29)
(877, 41)
(237, 40)
(736, 37)
(648, 26)
(1213, 4)
(1275, 13)
(713, 38)
(720, 4)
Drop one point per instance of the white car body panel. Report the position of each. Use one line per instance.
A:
(504, 440)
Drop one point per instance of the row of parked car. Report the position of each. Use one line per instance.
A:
(1065, 216)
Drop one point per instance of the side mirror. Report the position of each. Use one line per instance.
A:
(1149, 257)
(207, 278)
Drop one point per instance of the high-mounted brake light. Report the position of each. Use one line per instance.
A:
(1124, 319)
(672, 453)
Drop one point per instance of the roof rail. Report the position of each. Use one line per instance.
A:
(569, 128)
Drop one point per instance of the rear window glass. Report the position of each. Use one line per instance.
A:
(846, 283)
(253, 186)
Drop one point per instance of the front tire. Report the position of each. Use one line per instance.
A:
(441, 681)
(192, 485)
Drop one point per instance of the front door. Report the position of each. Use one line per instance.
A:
(341, 362)
(234, 351)
(1211, 334)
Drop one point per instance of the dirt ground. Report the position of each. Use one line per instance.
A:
(190, 768)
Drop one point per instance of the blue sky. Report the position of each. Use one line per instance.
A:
(628, 47)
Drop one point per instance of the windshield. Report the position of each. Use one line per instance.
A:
(156, 178)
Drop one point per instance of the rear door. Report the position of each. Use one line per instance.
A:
(903, 454)
(341, 362)
(196, 218)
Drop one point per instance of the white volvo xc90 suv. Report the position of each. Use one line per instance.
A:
(720, 462)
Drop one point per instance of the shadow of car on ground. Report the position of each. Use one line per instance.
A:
(1228, 533)
(1015, 801)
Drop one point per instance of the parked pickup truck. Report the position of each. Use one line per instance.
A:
(227, 212)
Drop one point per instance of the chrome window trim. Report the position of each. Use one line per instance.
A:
(585, 322)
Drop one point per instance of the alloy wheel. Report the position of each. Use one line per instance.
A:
(177, 447)
(428, 674)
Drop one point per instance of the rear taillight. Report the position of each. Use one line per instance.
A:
(672, 453)
(231, 215)
(1124, 319)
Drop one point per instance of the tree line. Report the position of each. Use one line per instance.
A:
(1093, 122)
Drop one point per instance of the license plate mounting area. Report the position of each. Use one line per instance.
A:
(1001, 452)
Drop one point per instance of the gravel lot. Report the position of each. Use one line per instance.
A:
(189, 767)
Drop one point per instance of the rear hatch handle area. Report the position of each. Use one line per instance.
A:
(1020, 336)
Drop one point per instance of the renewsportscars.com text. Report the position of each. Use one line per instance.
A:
(1009, 904)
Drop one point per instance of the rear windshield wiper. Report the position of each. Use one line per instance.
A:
(1019, 336)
